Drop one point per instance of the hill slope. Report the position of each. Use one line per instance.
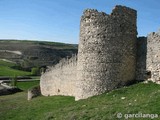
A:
(35, 53)
(6, 69)
(138, 98)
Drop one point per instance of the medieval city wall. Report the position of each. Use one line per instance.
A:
(141, 72)
(148, 58)
(109, 56)
(60, 79)
(153, 57)
(107, 51)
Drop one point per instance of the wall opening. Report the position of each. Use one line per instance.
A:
(148, 74)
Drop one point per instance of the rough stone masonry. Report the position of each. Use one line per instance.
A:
(109, 56)
(107, 51)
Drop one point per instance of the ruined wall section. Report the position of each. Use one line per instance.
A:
(153, 56)
(141, 72)
(60, 79)
(107, 51)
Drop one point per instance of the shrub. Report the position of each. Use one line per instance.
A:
(35, 71)
(14, 80)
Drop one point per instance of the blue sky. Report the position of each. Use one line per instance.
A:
(58, 20)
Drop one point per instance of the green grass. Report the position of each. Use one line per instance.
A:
(7, 70)
(26, 85)
(8, 64)
(144, 98)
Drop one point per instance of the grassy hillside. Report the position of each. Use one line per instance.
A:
(53, 44)
(138, 98)
(26, 85)
(35, 53)
(7, 70)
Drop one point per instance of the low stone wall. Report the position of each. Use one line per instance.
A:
(60, 79)
(34, 92)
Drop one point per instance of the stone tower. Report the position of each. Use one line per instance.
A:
(107, 51)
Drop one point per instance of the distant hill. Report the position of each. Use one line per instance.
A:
(29, 54)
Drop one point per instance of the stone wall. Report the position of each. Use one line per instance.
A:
(60, 79)
(153, 57)
(33, 92)
(148, 58)
(107, 51)
(109, 56)
(141, 72)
